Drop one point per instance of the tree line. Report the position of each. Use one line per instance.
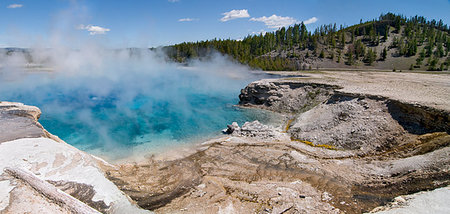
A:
(289, 47)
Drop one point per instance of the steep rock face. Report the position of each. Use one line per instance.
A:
(27, 146)
(284, 95)
(419, 119)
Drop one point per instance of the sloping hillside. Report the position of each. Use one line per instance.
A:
(389, 42)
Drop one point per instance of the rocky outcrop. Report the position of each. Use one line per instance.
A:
(285, 95)
(351, 123)
(359, 122)
(27, 147)
(19, 121)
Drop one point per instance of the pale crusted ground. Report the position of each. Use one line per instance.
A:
(426, 89)
(436, 202)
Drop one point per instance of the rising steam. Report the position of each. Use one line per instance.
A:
(113, 100)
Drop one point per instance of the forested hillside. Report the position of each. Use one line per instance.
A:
(389, 42)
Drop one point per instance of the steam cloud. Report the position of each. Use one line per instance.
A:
(117, 99)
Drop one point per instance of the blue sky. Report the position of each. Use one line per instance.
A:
(151, 23)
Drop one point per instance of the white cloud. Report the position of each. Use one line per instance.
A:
(275, 21)
(93, 30)
(262, 31)
(310, 21)
(13, 6)
(187, 20)
(172, 1)
(234, 14)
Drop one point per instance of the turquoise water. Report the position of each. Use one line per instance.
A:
(124, 108)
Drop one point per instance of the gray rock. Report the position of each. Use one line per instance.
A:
(253, 129)
(19, 121)
(284, 95)
(231, 128)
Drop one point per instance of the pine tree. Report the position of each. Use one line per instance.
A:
(370, 56)
(429, 48)
(432, 64)
(322, 54)
(343, 40)
(339, 56)
(359, 48)
(296, 34)
(350, 58)
(386, 33)
(384, 54)
(411, 48)
(439, 51)
(289, 37)
(303, 32)
(372, 35)
(420, 58)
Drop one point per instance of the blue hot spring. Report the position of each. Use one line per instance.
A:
(118, 106)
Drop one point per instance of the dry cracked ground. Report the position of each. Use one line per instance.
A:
(350, 142)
